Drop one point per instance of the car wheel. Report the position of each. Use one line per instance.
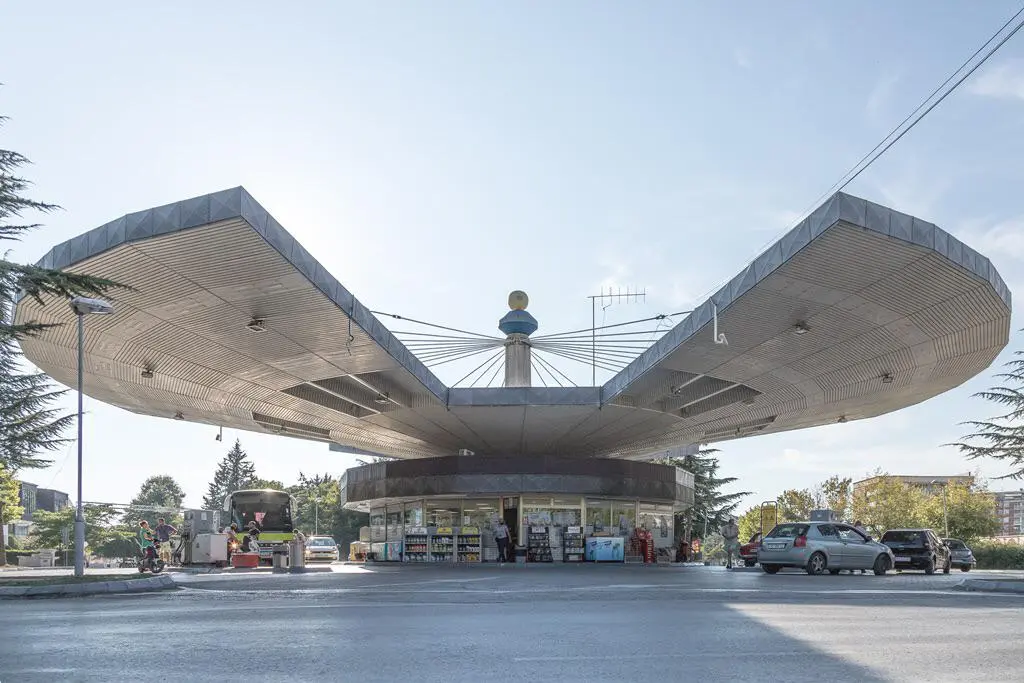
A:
(771, 568)
(949, 565)
(881, 565)
(965, 568)
(749, 563)
(816, 564)
(930, 567)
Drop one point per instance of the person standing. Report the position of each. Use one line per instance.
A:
(163, 534)
(731, 534)
(502, 537)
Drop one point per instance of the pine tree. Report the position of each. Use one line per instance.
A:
(234, 473)
(28, 426)
(710, 505)
(1001, 437)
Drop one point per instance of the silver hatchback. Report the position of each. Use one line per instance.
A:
(818, 547)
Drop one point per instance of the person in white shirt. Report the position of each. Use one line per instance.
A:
(503, 538)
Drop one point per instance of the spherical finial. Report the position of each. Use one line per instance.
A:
(518, 301)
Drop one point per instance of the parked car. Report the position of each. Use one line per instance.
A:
(817, 547)
(917, 549)
(960, 555)
(748, 551)
(321, 548)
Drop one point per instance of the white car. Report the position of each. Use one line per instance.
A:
(321, 548)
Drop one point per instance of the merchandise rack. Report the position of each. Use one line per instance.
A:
(538, 548)
(573, 548)
(469, 548)
(442, 545)
(417, 545)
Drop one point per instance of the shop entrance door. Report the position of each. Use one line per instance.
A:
(510, 513)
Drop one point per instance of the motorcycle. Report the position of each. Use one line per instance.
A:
(151, 559)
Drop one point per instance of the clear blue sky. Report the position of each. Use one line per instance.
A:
(436, 156)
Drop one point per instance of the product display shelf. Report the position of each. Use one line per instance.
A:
(442, 545)
(538, 546)
(468, 544)
(573, 547)
(417, 545)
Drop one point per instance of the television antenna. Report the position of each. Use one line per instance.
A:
(607, 300)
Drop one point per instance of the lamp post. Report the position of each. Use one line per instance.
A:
(83, 306)
(316, 516)
(945, 511)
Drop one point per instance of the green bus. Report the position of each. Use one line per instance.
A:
(270, 509)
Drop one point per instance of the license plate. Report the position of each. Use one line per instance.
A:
(902, 558)
(775, 546)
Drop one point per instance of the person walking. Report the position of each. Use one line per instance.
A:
(502, 537)
(731, 534)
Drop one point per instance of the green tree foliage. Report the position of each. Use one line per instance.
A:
(887, 503)
(711, 506)
(796, 505)
(99, 524)
(318, 502)
(318, 507)
(1001, 437)
(269, 484)
(234, 473)
(836, 494)
(29, 425)
(9, 503)
(750, 523)
(159, 496)
(971, 513)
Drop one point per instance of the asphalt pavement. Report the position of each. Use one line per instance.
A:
(585, 623)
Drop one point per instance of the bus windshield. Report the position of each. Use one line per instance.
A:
(271, 511)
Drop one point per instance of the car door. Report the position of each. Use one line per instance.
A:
(857, 552)
(941, 551)
(830, 542)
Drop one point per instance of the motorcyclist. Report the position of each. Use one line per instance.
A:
(147, 541)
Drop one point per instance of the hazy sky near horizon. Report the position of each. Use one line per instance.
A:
(436, 156)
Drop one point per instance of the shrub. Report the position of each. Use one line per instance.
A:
(12, 556)
(999, 555)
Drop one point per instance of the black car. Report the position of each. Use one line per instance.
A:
(918, 549)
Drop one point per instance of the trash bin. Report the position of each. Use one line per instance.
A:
(297, 555)
(279, 558)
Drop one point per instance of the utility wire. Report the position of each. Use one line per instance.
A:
(845, 180)
(660, 316)
(490, 359)
(879, 149)
(440, 327)
(552, 367)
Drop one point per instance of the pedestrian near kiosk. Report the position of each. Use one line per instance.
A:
(731, 534)
(163, 534)
(502, 537)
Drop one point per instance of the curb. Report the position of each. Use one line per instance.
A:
(989, 586)
(75, 590)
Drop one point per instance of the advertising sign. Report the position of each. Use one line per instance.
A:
(606, 549)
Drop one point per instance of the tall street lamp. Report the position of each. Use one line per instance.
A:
(83, 306)
(945, 513)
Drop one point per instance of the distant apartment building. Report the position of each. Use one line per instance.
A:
(32, 499)
(1010, 511)
(929, 484)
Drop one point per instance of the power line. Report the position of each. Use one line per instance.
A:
(845, 180)
(879, 149)
(440, 327)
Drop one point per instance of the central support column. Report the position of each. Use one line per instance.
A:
(518, 325)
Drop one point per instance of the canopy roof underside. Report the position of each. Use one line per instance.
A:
(895, 311)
